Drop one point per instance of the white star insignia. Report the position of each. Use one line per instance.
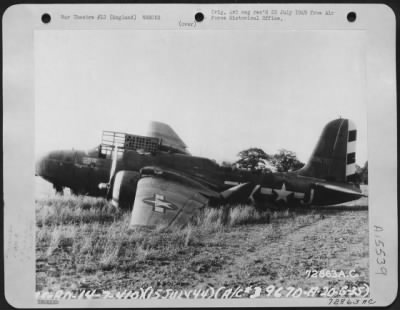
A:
(159, 203)
(282, 193)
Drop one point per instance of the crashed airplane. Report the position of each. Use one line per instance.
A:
(164, 184)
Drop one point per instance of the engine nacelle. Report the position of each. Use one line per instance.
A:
(124, 189)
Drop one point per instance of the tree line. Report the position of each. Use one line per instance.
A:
(255, 159)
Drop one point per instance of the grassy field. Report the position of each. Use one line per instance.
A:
(84, 242)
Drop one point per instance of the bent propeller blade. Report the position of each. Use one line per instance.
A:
(112, 171)
(114, 163)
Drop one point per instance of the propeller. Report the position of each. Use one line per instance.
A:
(107, 185)
(114, 163)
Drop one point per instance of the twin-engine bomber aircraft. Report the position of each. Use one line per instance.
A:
(167, 186)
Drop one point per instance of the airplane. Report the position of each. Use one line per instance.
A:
(164, 184)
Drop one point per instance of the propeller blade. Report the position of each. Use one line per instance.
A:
(114, 163)
(107, 186)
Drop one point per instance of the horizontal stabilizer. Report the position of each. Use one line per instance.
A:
(341, 189)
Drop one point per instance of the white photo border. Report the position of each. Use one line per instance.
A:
(21, 21)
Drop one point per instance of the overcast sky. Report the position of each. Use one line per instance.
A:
(221, 91)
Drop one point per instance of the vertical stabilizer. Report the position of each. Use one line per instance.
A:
(351, 152)
(334, 157)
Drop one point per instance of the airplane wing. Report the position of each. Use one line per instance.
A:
(167, 197)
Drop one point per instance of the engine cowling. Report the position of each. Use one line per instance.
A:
(124, 189)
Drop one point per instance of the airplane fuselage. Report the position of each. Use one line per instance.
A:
(284, 188)
(83, 172)
(77, 170)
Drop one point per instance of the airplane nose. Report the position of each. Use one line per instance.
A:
(40, 165)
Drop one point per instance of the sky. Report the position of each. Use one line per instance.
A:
(221, 91)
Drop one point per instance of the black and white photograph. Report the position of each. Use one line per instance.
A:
(228, 162)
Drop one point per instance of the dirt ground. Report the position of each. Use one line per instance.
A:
(102, 255)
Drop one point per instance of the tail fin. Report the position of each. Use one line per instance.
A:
(334, 157)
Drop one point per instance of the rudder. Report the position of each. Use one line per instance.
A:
(334, 156)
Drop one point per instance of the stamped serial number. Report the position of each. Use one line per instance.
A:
(328, 273)
(344, 291)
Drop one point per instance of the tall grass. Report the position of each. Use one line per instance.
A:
(96, 236)
(241, 215)
(75, 209)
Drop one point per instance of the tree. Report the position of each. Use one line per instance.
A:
(226, 164)
(253, 159)
(285, 161)
(356, 178)
(364, 173)
(361, 174)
